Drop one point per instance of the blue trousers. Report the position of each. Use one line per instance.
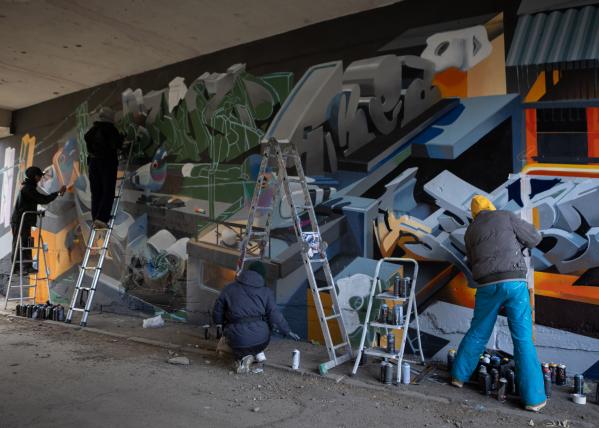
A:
(513, 295)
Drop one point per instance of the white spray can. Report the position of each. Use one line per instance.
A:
(295, 359)
(405, 373)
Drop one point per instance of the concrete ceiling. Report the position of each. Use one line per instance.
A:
(54, 47)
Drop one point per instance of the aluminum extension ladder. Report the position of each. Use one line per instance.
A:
(313, 250)
(410, 308)
(41, 248)
(77, 304)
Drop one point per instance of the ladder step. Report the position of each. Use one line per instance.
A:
(340, 345)
(330, 317)
(85, 288)
(317, 260)
(18, 298)
(263, 208)
(78, 309)
(325, 288)
(24, 285)
(89, 267)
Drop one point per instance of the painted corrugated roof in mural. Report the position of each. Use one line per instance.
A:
(557, 36)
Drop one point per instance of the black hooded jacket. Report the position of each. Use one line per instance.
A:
(103, 141)
(28, 200)
(248, 311)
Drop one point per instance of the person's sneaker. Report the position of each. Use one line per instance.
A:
(260, 357)
(537, 407)
(243, 366)
(457, 383)
(99, 224)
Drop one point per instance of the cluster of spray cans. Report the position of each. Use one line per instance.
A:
(495, 375)
(46, 311)
(386, 372)
(553, 374)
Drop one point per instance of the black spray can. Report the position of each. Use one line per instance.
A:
(560, 378)
(60, 314)
(553, 370)
(29, 311)
(494, 379)
(390, 343)
(511, 382)
(35, 312)
(502, 390)
(397, 286)
(578, 384)
(384, 313)
(18, 310)
(547, 381)
(386, 375)
(378, 339)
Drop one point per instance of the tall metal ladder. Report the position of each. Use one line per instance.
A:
(313, 249)
(76, 300)
(41, 248)
(410, 308)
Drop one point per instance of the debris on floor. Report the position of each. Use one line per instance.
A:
(154, 322)
(182, 361)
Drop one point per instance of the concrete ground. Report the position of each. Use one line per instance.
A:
(115, 374)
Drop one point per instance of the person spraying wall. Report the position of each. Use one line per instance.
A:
(28, 200)
(495, 241)
(103, 142)
(248, 313)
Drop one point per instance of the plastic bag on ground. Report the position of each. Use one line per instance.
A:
(154, 322)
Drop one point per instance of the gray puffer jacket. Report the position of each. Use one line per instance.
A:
(248, 311)
(494, 243)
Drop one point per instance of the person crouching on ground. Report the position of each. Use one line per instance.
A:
(103, 141)
(495, 241)
(28, 200)
(248, 313)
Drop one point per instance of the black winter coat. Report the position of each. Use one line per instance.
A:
(103, 141)
(248, 312)
(28, 200)
(494, 243)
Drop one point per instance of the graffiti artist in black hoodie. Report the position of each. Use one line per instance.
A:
(28, 200)
(103, 141)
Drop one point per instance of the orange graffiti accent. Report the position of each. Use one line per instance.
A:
(537, 90)
(452, 83)
(458, 292)
(562, 170)
(536, 220)
(560, 286)
(531, 135)
(314, 330)
(555, 77)
(593, 131)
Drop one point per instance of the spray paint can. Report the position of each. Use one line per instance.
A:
(398, 314)
(378, 339)
(405, 286)
(18, 310)
(502, 390)
(382, 371)
(560, 378)
(386, 373)
(553, 370)
(295, 359)
(578, 384)
(545, 369)
(547, 381)
(494, 379)
(397, 286)
(405, 373)
(484, 380)
(487, 363)
(511, 382)
(29, 312)
(60, 315)
(390, 343)
(451, 354)
(384, 313)
(495, 362)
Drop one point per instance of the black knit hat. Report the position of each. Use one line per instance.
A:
(259, 268)
(33, 171)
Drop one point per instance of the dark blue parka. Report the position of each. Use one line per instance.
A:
(248, 311)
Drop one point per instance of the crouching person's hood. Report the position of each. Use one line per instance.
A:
(250, 278)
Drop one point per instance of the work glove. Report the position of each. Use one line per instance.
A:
(294, 336)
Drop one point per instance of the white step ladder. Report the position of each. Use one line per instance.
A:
(409, 304)
(87, 265)
(28, 291)
(276, 159)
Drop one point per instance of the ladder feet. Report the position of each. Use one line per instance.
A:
(83, 324)
(67, 321)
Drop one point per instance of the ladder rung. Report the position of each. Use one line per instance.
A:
(340, 345)
(24, 285)
(24, 298)
(97, 248)
(89, 267)
(258, 233)
(78, 309)
(325, 288)
(330, 317)
(84, 288)
(31, 248)
(263, 208)
(317, 260)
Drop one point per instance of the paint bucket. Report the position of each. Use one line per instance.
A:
(547, 382)
(579, 384)
(451, 354)
(579, 398)
(295, 359)
(405, 373)
(502, 390)
(560, 378)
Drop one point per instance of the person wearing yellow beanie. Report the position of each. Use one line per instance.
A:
(495, 241)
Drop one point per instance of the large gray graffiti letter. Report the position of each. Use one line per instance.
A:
(421, 94)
